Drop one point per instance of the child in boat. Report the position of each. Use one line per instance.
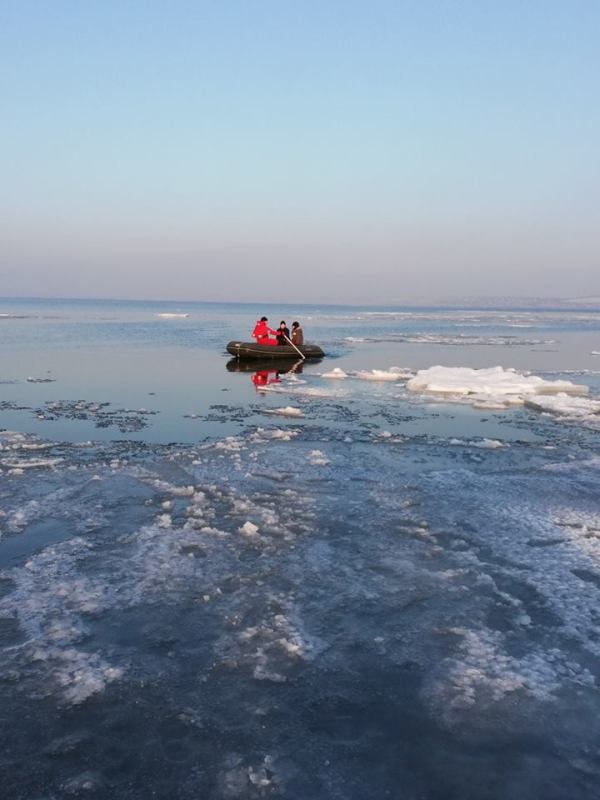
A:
(297, 334)
(283, 333)
(262, 331)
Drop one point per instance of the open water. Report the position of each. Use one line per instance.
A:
(218, 583)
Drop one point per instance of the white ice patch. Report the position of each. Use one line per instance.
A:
(494, 382)
(231, 444)
(550, 552)
(33, 463)
(82, 675)
(483, 672)
(492, 388)
(49, 599)
(286, 411)
(169, 315)
(336, 373)
(569, 408)
(272, 434)
(485, 444)
(317, 458)
(169, 488)
(391, 374)
(272, 646)
(315, 391)
(249, 529)
(447, 339)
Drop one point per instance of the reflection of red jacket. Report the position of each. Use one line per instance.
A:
(261, 332)
(260, 378)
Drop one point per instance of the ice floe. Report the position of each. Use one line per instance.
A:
(485, 444)
(484, 672)
(317, 458)
(335, 373)
(33, 463)
(494, 382)
(286, 411)
(273, 434)
(447, 339)
(249, 529)
(567, 407)
(391, 374)
(492, 388)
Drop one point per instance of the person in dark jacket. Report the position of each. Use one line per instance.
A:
(283, 333)
(297, 334)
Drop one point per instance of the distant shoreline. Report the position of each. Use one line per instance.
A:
(581, 304)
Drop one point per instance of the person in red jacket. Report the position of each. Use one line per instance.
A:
(261, 332)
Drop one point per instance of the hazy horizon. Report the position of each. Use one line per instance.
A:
(475, 302)
(334, 153)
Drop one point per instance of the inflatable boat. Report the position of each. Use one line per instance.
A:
(269, 352)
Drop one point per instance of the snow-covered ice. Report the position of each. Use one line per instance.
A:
(335, 373)
(391, 374)
(286, 411)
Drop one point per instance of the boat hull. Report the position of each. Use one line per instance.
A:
(266, 352)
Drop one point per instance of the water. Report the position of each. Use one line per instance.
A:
(201, 595)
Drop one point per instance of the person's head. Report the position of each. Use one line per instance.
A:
(264, 319)
(295, 324)
(282, 324)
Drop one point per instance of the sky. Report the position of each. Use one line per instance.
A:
(327, 151)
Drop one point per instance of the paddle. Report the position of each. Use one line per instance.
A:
(302, 356)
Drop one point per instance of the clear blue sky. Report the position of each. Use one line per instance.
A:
(356, 151)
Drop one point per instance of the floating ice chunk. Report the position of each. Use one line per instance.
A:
(230, 444)
(595, 353)
(176, 491)
(286, 411)
(314, 391)
(388, 436)
(168, 315)
(37, 463)
(249, 529)
(336, 373)
(392, 374)
(491, 388)
(317, 458)
(262, 434)
(83, 674)
(577, 409)
(486, 444)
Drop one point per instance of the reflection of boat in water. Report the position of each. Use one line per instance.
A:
(265, 372)
(285, 365)
(251, 350)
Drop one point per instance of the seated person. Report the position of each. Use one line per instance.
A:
(262, 331)
(283, 333)
(297, 334)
